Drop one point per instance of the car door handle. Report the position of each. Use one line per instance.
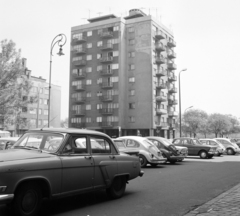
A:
(88, 157)
(112, 156)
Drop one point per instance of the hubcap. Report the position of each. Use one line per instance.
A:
(29, 201)
(203, 154)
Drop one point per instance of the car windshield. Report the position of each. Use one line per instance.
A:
(166, 142)
(196, 142)
(47, 142)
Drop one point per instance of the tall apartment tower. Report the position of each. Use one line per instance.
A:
(122, 76)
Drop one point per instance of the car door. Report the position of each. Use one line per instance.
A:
(191, 149)
(104, 157)
(77, 165)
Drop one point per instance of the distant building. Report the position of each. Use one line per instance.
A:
(122, 76)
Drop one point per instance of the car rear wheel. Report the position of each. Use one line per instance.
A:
(28, 200)
(230, 151)
(143, 161)
(153, 165)
(210, 156)
(172, 162)
(117, 188)
(203, 154)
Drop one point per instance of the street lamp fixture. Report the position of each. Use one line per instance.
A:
(180, 114)
(62, 39)
(188, 108)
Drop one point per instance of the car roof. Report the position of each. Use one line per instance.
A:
(138, 138)
(69, 130)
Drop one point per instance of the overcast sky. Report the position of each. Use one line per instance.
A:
(207, 33)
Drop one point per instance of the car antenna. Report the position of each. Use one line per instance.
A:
(49, 122)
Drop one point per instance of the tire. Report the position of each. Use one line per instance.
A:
(153, 165)
(28, 200)
(203, 154)
(117, 188)
(219, 154)
(143, 161)
(230, 151)
(210, 156)
(172, 162)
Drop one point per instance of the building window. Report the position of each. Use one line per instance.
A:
(89, 94)
(88, 119)
(116, 28)
(131, 105)
(45, 101)
(131, 67)
(99, 67)
(115, 53)
(99, 93)
(131, 42)
(77, 36)
(40, 101)
(131, 79)
(39, 111)
(131, 54)
(99, 56)
(89, 69)
(114, 79)
(99, 43)
(131, 119)
(45, 122)
(99, 80)
(132, 92)
(24, 109)
(115, 66)
(89, 33)
(131, 29)
(33, 122)
(88, 107)
(89, 57)
(88, 82)
(99, 119)
(99, 106)
(89, 45)
(45, 112)
(39, 122)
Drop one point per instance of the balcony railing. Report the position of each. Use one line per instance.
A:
(107, 85)
(81, 75)
(81, 50)
(78, 112)
(106, 34)
(161, 72)
(172, 90)
(171, 54)
(172, 66)
(106, 98)
(106, 72)
(159, 35)
(107, 46)
(161, 85)
(78, 125)
(160, 60)
(159, 47)
(79, 87)
(171, 43)
(161, 98)
(79, 100)
(106, 59)
(172, 125)
(172, 102)
(164, 124)
(79, 62)
(79, 39)
(106, 111)
(172, 78)
(172, 113)
(161, 111)
(106, 124)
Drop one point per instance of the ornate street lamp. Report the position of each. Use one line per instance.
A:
(61, 42)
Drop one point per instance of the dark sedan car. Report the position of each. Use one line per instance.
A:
(195, 147)
(171, 152)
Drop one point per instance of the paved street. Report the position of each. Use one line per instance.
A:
(171, 190)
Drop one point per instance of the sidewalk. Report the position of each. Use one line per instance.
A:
(226, 204)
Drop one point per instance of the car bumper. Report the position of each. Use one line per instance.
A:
(6, 198)
(157, 161)
(237, 151)
(141, 173)
(176, 158)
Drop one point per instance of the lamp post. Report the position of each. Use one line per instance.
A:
(187, 109)
(61, 41)
(180, 114)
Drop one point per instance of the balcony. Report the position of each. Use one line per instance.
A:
(163, 124)
(159, 35)
(78, 112)
(172, 102)
(107, 85)
(106, 124)
(79, 63)
(107, 46)
(81, 75)
(171, 54)
(106, 111)
(80, 87)
(161, 111)
(172, 113)
(171, 43)
(172, 90)
(159, 47)
(161, 98)
(160, 60)
(106, 98)
(106, 34)
(79, 100)
(106, 59)
(78, 125)
(81, 39)
(172, 78)
(172, 125)
(161, 72)
(172, 66)
(106, 72)
(80, 50)
(161, 85)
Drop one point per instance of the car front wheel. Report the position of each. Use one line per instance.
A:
(210, 156)
(203, 154)
(143, 161)
(117, 188)
(28, 200)
(230, 151)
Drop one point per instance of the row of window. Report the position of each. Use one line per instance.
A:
(39, 90)
(99, 81)
(41, 122)
(34, 111)
(98, 119)
(99, 56)
(99, 106)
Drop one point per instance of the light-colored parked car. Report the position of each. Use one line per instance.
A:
(148, 152)
(7, 142)
(50, 163)
(231, 148)
(123, 148)
(171, 152)
(213, 142)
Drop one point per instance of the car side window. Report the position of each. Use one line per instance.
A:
(76, 145)
(177, 141)
(185, 142)
(132, 144)
(100, 145)
(212, 143)
(204, 142)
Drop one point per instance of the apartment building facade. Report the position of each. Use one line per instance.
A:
(122, 76)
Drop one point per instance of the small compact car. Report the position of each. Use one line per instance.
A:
(54, 163)
(236, 140)
(7, 142)
(213, 142)
(231, 148)
(148, 152)
(123, 149)
(171, 152)
(195, 147)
